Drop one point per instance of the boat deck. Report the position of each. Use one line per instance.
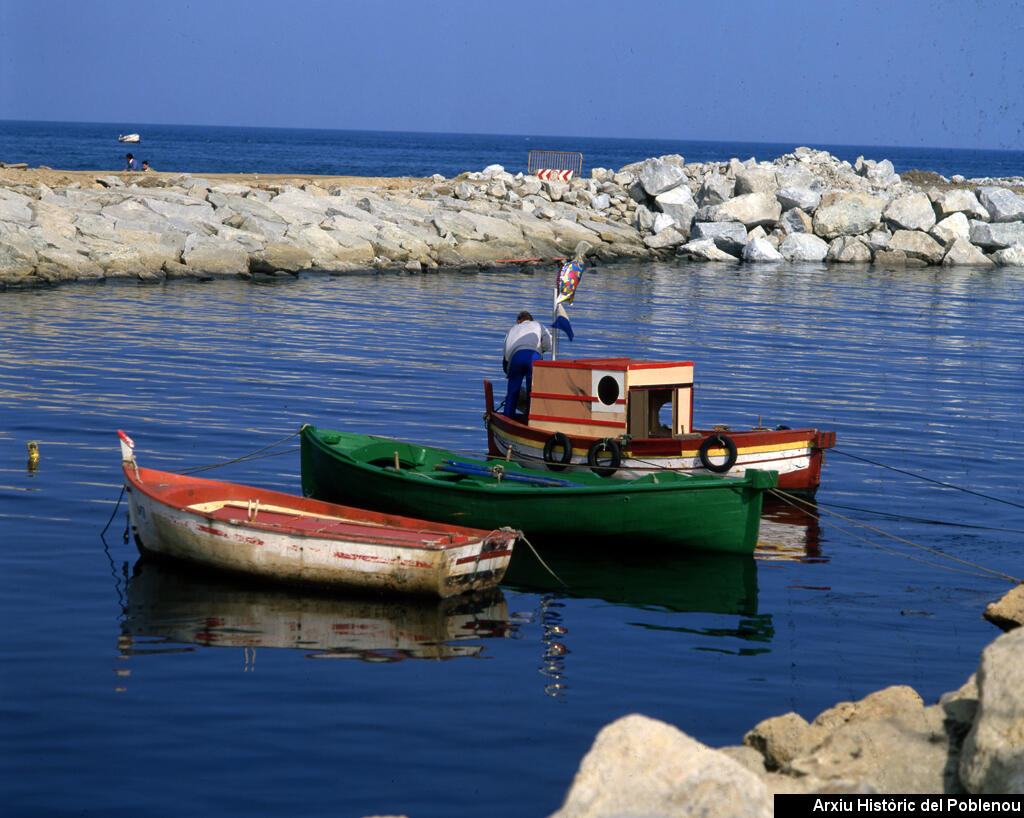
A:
(297, 521)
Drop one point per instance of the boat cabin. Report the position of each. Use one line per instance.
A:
(611, 397)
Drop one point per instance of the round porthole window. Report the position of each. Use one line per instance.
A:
(608, 390)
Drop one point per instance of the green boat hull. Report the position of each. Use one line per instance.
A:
(658, 511)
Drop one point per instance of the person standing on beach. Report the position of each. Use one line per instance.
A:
(130, 162)
(525, 343)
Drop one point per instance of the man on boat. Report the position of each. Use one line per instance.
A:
(525, 343)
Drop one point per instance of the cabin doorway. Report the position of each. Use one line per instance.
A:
(652, 412)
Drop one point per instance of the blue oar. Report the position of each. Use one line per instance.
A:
(499, 472)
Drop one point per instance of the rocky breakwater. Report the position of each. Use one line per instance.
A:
(970, 742)
(803, 206)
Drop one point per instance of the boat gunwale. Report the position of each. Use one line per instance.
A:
(489, 485)
(458, 536)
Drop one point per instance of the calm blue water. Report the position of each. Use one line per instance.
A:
(134, 689)
(195, 149)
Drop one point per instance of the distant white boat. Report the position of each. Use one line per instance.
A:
(128, 137)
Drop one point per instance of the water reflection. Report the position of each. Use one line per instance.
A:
(663, 586)
(168, 606)
(789, 532)
(681, 582)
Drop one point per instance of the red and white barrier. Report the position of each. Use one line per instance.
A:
(555, 175)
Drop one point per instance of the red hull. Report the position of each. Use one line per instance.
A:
(796, 454)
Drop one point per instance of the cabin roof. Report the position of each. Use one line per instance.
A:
(610, 363)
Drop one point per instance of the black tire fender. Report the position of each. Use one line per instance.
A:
(717, 440)
(599, 448)
(553, 443)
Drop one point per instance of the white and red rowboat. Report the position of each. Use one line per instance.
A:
(291, 539)
(626, 418)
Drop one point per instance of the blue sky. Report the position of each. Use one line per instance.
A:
(941, 74)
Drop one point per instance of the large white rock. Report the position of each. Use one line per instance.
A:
(643, 219)
(715, 189)
(795, 176)
(992, 758)
(243, 205)
(663, 239)
(1010, 256)
(800, 197)
(14, 207)
(72, 263)
(917, 245)
(208, 255)
(678, 203)
(848, 250)
(231, 189)
(996, 235)
(728, 236)
(554, 189)
(1003, 205)
(960, 200)
(803, 247)
(568, 234)
(130, 210)
(345, 230)
(657, 176)
(704, 250)
(961, 251)
(758, 179)
(18, 255)
(880, 174)
(1008, 611)
(752, 209)
(796, 221)
(615, 232)
(662, 221)
(295, 206)
(639, 768)
(52, 217)
(910, 212)
(760, 250)
(953, 227)
(847, 214)
(120, 259)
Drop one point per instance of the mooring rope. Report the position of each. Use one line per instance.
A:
(251, 456)
(894, 516)
(547, 568)
(928, 479)
(806, 505)
(112, 514)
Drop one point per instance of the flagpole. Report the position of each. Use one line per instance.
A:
(554, 316)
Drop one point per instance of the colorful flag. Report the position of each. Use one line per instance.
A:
(568, 280)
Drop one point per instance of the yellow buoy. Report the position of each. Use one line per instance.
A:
(33, 455)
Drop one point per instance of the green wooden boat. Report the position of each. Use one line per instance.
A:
(657, 511)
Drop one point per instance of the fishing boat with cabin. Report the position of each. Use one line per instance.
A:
(666, 511)
(289, 539)
(626, 418)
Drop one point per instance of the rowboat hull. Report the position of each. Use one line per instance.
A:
(284, 538)
(668, 511)
(796, 454)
